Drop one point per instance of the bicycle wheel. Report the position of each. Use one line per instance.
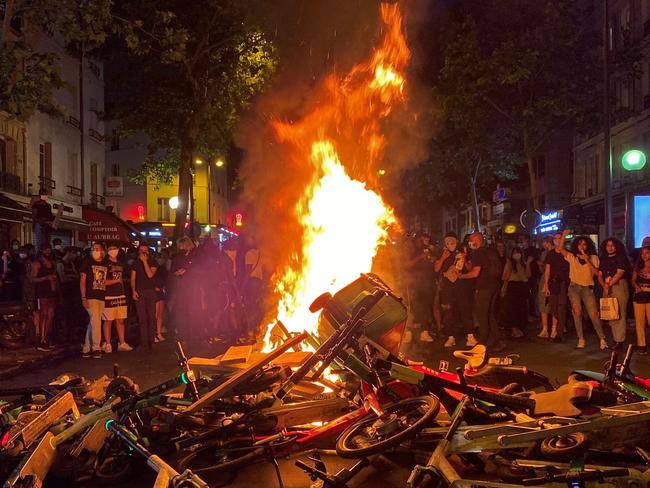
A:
(371, 435)
(218, 457)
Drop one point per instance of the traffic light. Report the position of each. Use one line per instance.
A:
(633, 160)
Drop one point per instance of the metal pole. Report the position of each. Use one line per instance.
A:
(607, 147)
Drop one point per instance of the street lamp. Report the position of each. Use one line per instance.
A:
(633, 160)
(173, 203)
(219, 163)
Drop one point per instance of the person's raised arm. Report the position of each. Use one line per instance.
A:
(437, 265)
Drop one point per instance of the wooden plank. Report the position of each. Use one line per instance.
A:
(307, 389)
(237, 354)
(242, 376)
(292, 359)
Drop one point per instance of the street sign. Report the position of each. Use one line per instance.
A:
(500, 194)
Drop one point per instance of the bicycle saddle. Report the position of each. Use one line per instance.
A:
(475, 357)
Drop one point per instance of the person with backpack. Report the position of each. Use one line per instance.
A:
(614, 270)
(486, 270)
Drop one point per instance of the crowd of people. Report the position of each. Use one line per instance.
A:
(203, 292)
(474, 292)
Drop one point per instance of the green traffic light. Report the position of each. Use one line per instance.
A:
(633, 160)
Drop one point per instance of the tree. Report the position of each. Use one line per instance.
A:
(181, 72)
(464, 165)
(530, 64)
(29, 78)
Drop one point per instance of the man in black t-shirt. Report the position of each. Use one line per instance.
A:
(556, 286)
(93, 293)
(143, 287)
(115, 308)
(486, 269)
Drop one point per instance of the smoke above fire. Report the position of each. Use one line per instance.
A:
(324, 146)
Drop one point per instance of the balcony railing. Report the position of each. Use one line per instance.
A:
(10, 182)
(75, 193)
(74, 122)
(96, 135)
(47, 183)
(97, 200)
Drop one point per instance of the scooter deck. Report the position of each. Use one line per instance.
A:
(42, 420)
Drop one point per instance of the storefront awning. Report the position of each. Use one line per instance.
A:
(71, 223)
(12, 211)
(106, 226)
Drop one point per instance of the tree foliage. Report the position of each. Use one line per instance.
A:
(528, 68)
(182, 72)
(28, 78)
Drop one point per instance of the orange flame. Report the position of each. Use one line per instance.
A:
(343, 222)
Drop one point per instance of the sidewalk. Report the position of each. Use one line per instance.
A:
(15, 362)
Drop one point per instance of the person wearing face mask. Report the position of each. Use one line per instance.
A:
(15, 247)
(556, 286)
(57, 249)
(93, 294)
(614, 267)
(115, 307)
(47, 292)
(515, 291)
(42, 217)
(143, 288)
(583, 268)
(485, 268)
(456, 315)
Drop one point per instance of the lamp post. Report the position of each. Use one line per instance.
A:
(607, 147)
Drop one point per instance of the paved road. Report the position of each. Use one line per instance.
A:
(556, 360)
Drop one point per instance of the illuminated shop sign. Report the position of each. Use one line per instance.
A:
(549, 222)
(641, 218)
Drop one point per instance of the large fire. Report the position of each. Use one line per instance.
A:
(343, 221)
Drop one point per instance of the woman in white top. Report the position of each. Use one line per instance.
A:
(583, 267)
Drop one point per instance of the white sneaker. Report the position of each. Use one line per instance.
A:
(425, 336)
(408, 336)
(124, 347)
(107, 348)
(543, 334)
(603, 344)
(581, 343)
(451, 342)
(471, 340)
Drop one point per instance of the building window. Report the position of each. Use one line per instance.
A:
(45, 164)
(163, 210)
(115, 140)
(115, 169)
